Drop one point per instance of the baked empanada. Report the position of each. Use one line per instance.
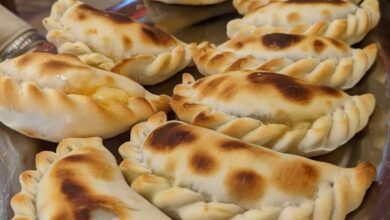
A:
(247, 6)
(337, 19)
(318, 60)
(115, 42)
(191, 2)
(273, 110)
(52, 97)
(80, 181)
(195, 173)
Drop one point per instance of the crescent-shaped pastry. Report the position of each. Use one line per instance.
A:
(273, 110)
(337, 19)
(191, 2)
(80, 181)
(115, 42)
(195, 173)
(52, 97)
(318, 60)
(246, 6)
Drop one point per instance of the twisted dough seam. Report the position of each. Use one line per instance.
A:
(24, 202)
(20, 98)
(303, 138)
(147, 69)
(351, 29)
(186, 203)
(247, 6)
(341, 73)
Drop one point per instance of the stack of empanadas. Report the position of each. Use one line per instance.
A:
(52, 97)
(115, 42)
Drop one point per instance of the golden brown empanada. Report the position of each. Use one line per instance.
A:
(337, 19)
(80, 181)
(115, 42)
(273, 110)
(247, 6)
(52, 97)
(195, 173)
(191, 2)
(318, 60)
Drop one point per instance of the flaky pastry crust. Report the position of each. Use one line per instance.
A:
(115, 42)
(195, 173)
(337, 19)
(272, 110)
(79, 181)
(52, 97)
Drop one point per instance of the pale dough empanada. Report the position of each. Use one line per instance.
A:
(80, 181)
(273, 110)
(337, 19)
(191, 2)
(318, 60)
(52, 97)
(115, 42)
(196, 173)
(247, 6)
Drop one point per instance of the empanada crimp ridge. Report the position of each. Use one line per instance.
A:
(80, 181)
(52, 97)
(337, 19)
(195, 173)
(115, 42)
(273, 110)
(317, 60)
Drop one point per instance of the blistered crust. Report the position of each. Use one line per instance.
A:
(115, 42)
(80, 181)
(317, 60)
(191, 2)
(190, 173)
(52, 97)
(341, 20)
(273, 110)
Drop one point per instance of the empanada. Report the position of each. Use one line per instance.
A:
(191, 2)
(52, 97)
(115, 42)
(337, 19)
(273, 110)
(196, 173)
(247, 6)
(80, 181)
(318, 60)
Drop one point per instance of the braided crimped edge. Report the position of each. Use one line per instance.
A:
(146, 69)
(334, 200)
(248, 6)
(21, 103)
(302, 138)
(351, 29)
(24, 202)
(341, 73)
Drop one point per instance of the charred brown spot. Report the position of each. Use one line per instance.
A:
(238, 45)
(169, 136)
(71, 189)
(330, 91)
(86, 10)
(236, 65)
(245, 185)
(287, 86)
(319, 46)
(209, 86)
(234, 145)
(216, 58)
(270, 65)
(202, 163)
(157, 36)
(126, 41)
(296, 178)
(56, 66)
(338, 44)
(317, 1)
(201, 119)
(278, 41)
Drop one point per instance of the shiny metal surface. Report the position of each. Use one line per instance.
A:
(17, 152)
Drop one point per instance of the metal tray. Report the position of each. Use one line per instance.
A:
(196, 24)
